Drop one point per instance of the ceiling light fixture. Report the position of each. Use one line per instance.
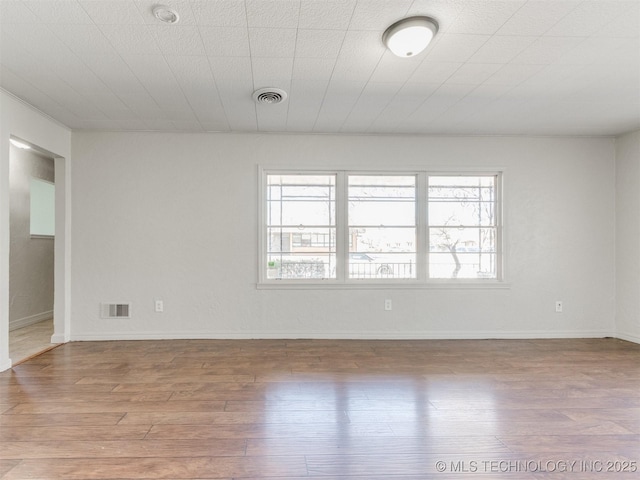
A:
(166, 14)
(18, 144)
(410, 36)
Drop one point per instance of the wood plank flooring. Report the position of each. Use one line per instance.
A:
(316, 409)
(31, 340)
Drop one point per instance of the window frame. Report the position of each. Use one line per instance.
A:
(498, 209)
(265, 226)
(422, 280)
(347, 228)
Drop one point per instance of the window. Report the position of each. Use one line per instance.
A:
(42, 221)
(382, 226)
(363, 228)
(311, 240)
(301, 209)
(462, 227)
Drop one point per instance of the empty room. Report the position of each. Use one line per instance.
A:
(319, 239)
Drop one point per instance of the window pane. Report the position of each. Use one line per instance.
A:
(382, 226)
(382, 200)
(462, 180)
(42, 220)
(462, 253)
(382, 252)
(312, 240)
(462, 227)
(389, 239)
(462, 240)
(449, 213)
(464, 200)
(301, 240)
(382, 265)
(301, 200)
(301, 233)
(294, 266)
(462, 265)
(303, 213)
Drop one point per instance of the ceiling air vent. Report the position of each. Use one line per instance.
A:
(116, 310)
(270, 96)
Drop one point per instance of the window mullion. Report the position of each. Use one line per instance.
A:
(422, 212)
(342, 227)
(263, 220)
(497, 224)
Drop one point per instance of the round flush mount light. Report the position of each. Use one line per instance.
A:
(270, 96)
(166, 14)
(410, 36)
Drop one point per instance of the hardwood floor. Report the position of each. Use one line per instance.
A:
(31, 340)
(293, 409)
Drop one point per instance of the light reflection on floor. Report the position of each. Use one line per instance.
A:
(379, 414)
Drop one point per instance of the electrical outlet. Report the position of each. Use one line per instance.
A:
(159, 306)
(388, 305)
(558, 306)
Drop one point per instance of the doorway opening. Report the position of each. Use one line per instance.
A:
(32, 175)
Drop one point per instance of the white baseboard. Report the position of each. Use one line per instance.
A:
(628, 337)
(6, 365)
(26, 321)
(478, 335)
(58, 338)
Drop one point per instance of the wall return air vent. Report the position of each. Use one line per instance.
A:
(115, 310)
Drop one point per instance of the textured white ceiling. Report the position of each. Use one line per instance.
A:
(536, 67)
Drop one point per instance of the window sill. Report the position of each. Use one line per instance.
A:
(382, 285)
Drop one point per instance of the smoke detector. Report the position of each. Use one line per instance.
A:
(269, 95)
(166, 14)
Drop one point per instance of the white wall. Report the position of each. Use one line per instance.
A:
(628, 236)
(22, 121)
(31, 267)
(174, 217)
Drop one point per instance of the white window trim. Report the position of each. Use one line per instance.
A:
(421, 281)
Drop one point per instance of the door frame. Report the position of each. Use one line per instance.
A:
(62, 248)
